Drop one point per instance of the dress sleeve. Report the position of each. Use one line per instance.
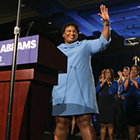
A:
(98, 87)
(113, 89)
(122, 89)
(138, 80)
(97, 45)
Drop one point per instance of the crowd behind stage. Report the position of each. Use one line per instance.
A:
(118, 101)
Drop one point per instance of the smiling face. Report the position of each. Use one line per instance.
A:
(134, 71)
(108, 73)
(70, 35)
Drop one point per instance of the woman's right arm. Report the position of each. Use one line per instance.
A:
(98, 87)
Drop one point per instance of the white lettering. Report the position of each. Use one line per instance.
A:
(33, 44)
(12, 47)
(8, 48)
(3, 48)
(20, 47)
(0, 58)
(26, 45)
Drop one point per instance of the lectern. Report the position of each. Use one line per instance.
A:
(38, 63)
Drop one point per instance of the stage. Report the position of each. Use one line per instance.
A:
(72, 137)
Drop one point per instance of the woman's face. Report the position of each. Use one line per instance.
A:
(70, 35)
(108, 73)
(134, 71)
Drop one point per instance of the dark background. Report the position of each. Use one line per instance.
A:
(36, 15)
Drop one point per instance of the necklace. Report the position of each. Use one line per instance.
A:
(136, 77)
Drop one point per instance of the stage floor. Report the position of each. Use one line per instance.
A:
(72, 137)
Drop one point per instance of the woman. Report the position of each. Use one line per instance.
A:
(120, 124)
(131, 88)
(107, 103)
(75, 93)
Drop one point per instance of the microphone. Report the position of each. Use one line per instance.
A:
(29, 26)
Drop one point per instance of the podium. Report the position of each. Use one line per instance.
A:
(38, 63)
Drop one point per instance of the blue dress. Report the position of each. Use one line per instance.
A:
(131, 103)
(75, 93)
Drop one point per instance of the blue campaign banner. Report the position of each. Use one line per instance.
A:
(27, 51)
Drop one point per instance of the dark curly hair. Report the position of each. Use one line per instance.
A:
(69, 24)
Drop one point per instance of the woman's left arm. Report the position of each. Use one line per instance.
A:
(100, 44)
(113, 89)
(136, 83)
(106, 25)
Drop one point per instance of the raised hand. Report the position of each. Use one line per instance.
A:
(104, 13)
(119, 73)
(131, 76)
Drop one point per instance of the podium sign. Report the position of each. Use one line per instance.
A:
(27, 51)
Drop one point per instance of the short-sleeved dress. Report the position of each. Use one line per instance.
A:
(107, 102)
(131, 103)
(75, 93)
